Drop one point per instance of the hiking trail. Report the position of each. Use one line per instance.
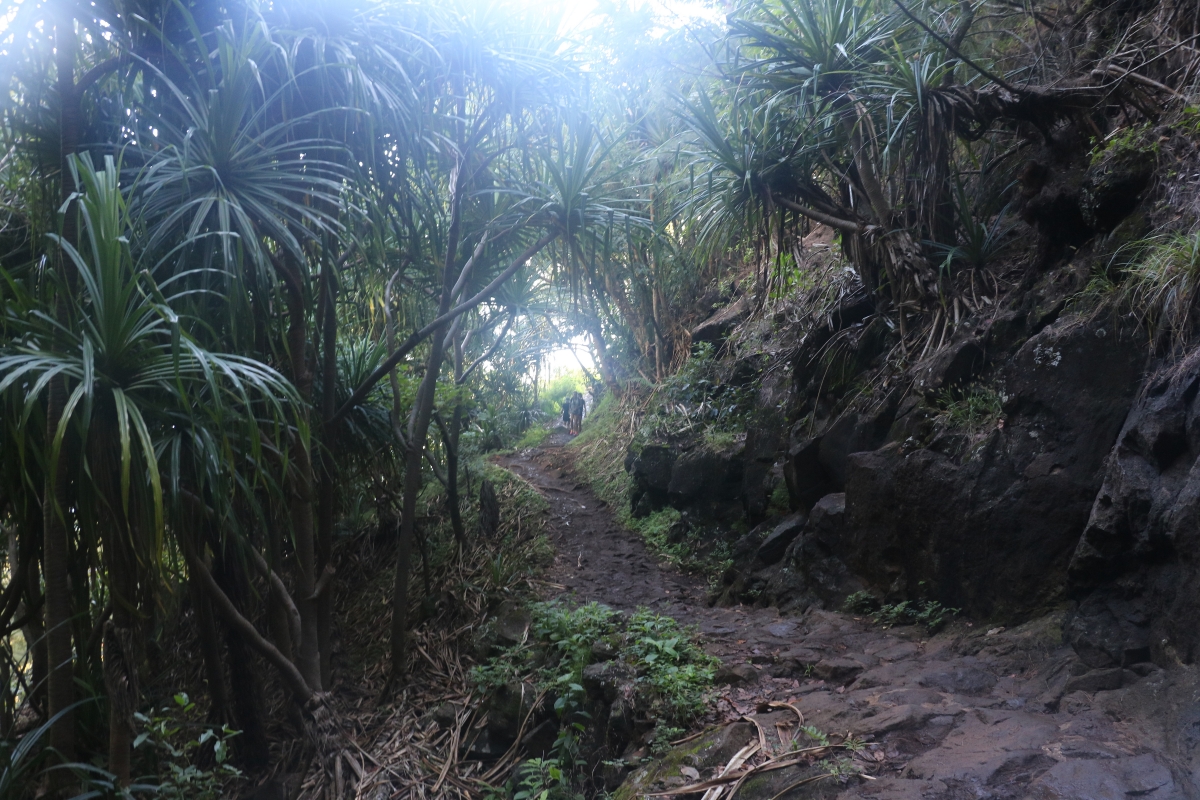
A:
(968, 712)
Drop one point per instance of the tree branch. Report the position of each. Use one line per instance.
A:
(419, 336)
(491, 350)
(836, 223)
(285, 596)
(291, 676)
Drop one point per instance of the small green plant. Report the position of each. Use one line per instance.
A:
(1132, 139)
(978, 243)
(165, 742)
(673, 678)
(973, 408)
(1162, 285)
(928, 613)
(717, 440)
(861, 602)
(542, 779)
(699, 398)
(815, 735)
(661, 738)
(534, 435)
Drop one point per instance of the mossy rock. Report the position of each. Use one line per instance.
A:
(708, 752)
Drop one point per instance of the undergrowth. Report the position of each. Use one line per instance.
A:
(673, 675)
(930, 614)
(534, 435)
(699, 398)
(1162, 285)
(671, 681)
(973, 408)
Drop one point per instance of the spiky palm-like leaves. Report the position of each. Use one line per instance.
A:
(134, 377)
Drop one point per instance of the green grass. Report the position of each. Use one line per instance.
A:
(974, 408)
(1161, 287)
(534, 435)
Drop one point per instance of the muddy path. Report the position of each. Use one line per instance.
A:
(596, 558)
(969, 713)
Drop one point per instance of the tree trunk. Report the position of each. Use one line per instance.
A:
(308, 654)
(120, 683)
(418, 429)
(245, 684)
(210, 651)
(326, 486)
(452, 439)
(60, 692)
(60, 681)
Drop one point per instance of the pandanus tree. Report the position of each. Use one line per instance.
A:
(136, 378)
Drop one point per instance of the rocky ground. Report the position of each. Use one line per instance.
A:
(972, 712)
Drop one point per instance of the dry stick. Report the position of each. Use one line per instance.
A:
(802, 782)
(419, 336)
(276, 582)
(501, 765)
(1113, 69)
(291, 676)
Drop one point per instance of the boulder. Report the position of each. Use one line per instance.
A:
(607, 680)
(1095, 680)
(718, 326)
(651, 473)
(776, 544)
(827, 520)
(708, 484)
(990, 528)
(735, 674)
(954, 364)
(1134, 567)
(1095, 779)
(838, 670)
(853, 433)
(806, 479)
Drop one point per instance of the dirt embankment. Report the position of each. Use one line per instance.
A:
(967, 713)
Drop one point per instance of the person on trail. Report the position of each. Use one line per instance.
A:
(576, 406)
(566, 404)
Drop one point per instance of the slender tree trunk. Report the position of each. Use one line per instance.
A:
(452, 437)
(591, 323)
(56, 548)
(277, 612)
(35, 637)
(210, 651)
(245, 683)
(417, 431)
(121, 564)
(308, 654)
(60, 681)
(326, 481)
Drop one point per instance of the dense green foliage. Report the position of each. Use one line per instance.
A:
(276, 273)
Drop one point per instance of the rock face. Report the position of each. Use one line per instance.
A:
(1135, 566)
(992, 529)
(703, 482)
(1001, 714)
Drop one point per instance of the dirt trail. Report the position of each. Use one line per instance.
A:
(969, 713)
(596, 558)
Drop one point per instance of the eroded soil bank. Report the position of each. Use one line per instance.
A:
(968, 713)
